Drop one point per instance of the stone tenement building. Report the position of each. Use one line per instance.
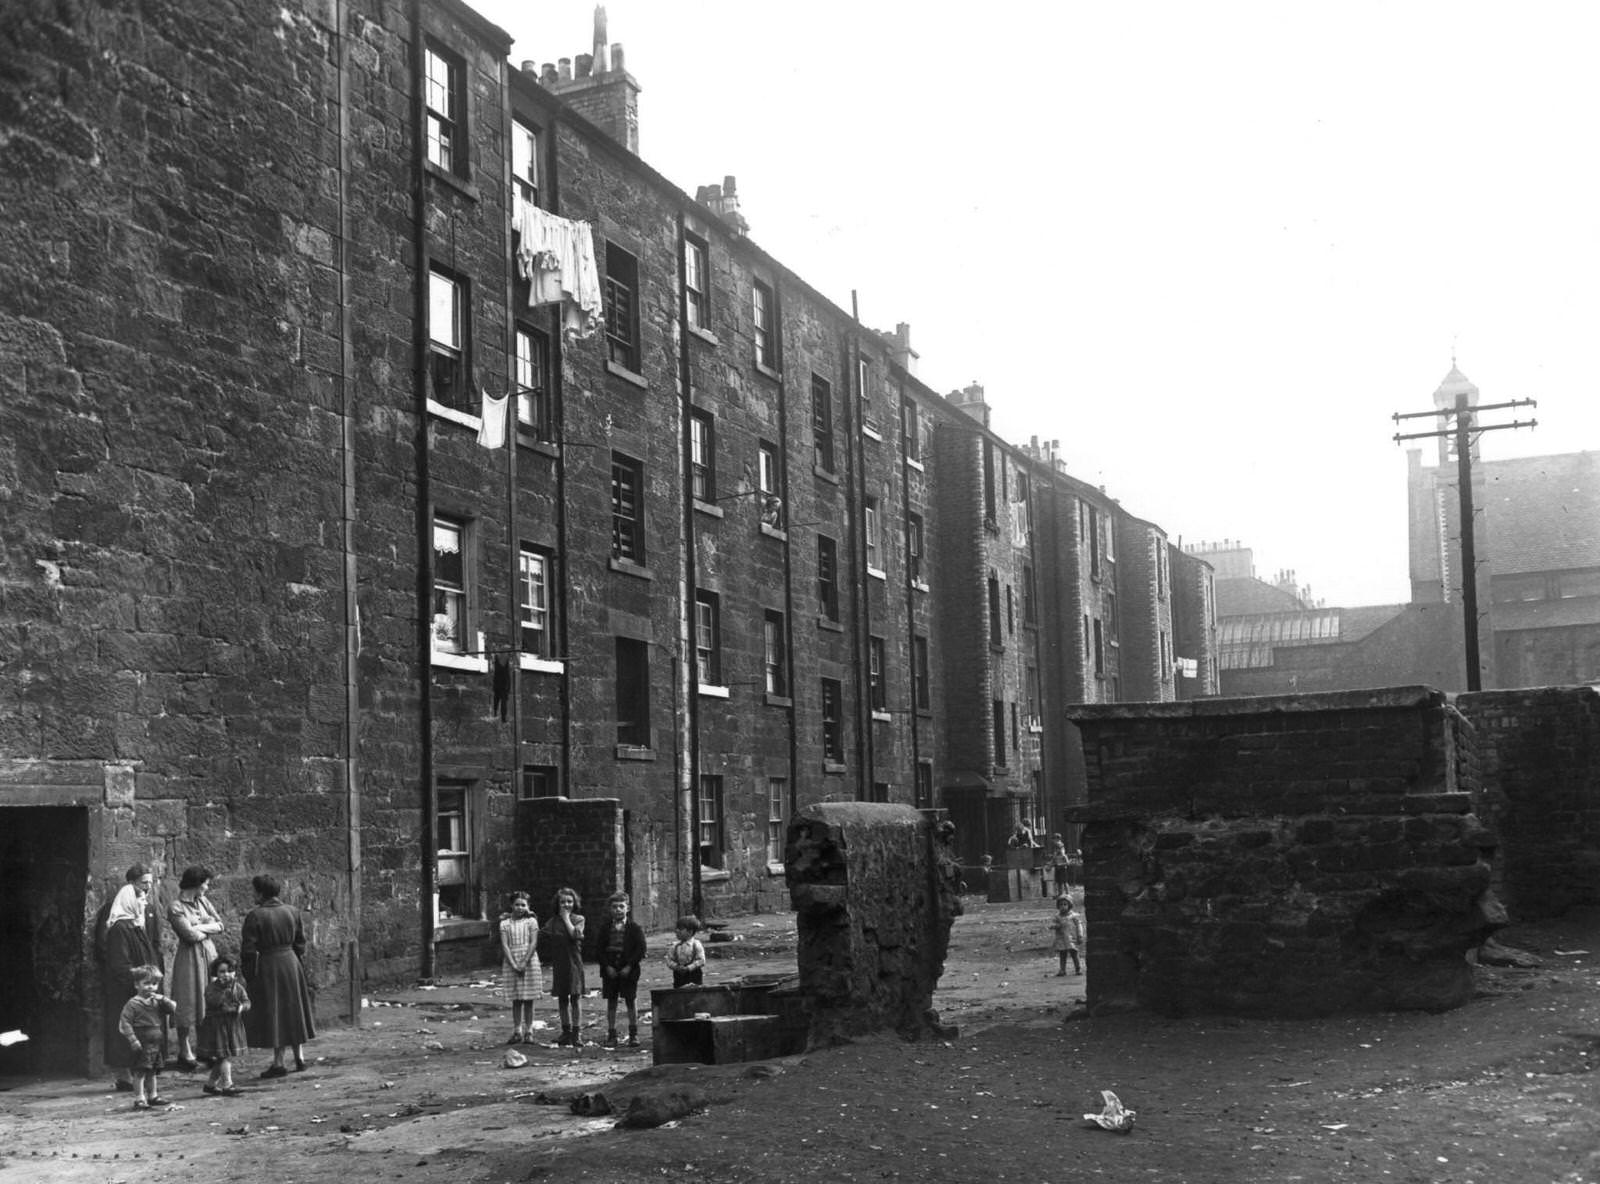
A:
(268, 604)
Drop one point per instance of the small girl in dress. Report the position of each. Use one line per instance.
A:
(687, 956)
(1068, 930)
(519, 965)
(143, 1023)
(564, 937)
(222, 1028)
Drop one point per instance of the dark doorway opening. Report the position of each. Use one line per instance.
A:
(44, 869)
(966, 809)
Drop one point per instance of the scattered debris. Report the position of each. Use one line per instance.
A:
(1115, 1116)
(514, 1059)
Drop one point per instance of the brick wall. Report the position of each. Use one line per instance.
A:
(1283, 856)
(1540, 753)
(582, 845)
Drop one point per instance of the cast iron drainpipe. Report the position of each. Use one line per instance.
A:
(430, 871)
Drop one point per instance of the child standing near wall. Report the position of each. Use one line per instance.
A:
(222, 1035)
(519, 965)
(143, 1023)
(1068, 930)
(687, 957)
(563, 935)
(619, 948)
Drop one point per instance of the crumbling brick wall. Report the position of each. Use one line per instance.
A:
(1293, 855)
(874, 892)
(569, 843)
(1540, 750)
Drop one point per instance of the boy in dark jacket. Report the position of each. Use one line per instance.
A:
(619, 948)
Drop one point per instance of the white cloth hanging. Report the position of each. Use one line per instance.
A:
(492, 419)
(556, 256)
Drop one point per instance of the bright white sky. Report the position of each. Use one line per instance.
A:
(1211, 248)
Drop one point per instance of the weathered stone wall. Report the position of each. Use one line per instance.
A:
(1540, 751)
(1284, 856)
(874, 893)
(170, 578)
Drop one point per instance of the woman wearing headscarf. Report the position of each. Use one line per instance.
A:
(194, 919)
(272, 945)
(125, 945)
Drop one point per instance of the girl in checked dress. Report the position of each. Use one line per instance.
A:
(519, 966)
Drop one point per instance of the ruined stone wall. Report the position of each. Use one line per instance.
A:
(1540, 751)
(1283, 856)
(874, 894)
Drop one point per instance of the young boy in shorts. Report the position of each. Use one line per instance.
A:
(619, 948)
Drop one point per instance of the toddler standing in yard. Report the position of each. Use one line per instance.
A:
(687, 957)
(519, 965)
(619, 948)
(143, 1023)
(1068, 930)
(222, 1035)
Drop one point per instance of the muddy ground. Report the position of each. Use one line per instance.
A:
(1502, 1089)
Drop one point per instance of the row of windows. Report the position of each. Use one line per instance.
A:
(453, 592)
(450, 349)
(536, 627)
(449, 320)
(451, 384)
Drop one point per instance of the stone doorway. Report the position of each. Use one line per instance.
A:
(44, 870)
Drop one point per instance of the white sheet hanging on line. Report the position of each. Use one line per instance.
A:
(556, 256)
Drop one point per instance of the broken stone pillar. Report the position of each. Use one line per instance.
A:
(875, 891)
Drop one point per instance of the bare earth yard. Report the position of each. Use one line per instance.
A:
(1502, 1089)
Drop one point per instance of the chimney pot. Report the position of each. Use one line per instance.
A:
(530, 67)
(584, 65)
(616, 57)
(728, 186)
(548, 75)
(564, 65)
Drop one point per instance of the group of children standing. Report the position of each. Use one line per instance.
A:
(222, 1035)
(620, 949)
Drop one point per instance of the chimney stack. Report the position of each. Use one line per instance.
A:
(970, 399)
(723, 201)
(601, 91)
(904, 355)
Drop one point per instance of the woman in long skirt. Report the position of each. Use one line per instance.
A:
(272, 945)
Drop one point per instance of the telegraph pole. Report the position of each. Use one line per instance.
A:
(1465, 427)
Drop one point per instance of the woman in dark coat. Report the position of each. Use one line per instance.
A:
(125, 945)
(271, 947)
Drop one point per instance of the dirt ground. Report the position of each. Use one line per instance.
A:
(1502, 1089)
